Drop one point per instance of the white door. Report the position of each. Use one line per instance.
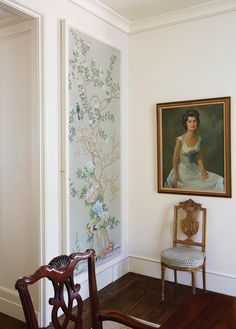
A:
(19, 161)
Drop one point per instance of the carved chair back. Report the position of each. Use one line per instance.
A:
(189, 218)
(60, 271)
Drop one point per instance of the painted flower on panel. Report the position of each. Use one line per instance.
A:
(98, 208)
(91, 196)
(90, 167)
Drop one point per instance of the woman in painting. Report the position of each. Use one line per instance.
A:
(188, 167)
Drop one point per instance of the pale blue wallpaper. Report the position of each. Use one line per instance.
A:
(94, 146)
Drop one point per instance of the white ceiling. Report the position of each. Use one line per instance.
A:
(133, 10)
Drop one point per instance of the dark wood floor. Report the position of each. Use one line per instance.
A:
(134, 294)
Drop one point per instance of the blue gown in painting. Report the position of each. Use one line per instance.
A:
(189, 173)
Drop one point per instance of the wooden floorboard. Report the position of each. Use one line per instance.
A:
(7, 322)
(135, 294)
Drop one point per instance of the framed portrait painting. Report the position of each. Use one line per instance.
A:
(193, 147)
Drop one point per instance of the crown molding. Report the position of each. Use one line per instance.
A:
(189, 14)
(103, 12)
(22, 9)
(96, 8)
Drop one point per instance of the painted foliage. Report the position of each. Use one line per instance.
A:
(94, 146)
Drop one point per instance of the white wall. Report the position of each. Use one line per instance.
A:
(190, 60)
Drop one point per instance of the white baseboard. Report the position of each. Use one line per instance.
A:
(110, 274)
(106, 275)
(218, 282)
(10, 303)
(215, 281)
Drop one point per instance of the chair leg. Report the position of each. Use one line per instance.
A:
(162, 282)
(175, 274)
(194, 282)
(204, 277)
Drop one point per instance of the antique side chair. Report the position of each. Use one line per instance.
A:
(60, 271)
(189, 242)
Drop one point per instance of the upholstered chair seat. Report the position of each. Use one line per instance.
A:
(184, 257)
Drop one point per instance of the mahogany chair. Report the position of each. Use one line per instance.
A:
(188, 251)
(60, 271)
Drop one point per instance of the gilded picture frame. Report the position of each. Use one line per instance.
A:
(193, 147)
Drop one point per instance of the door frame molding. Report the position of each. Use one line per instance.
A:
(40, 102)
